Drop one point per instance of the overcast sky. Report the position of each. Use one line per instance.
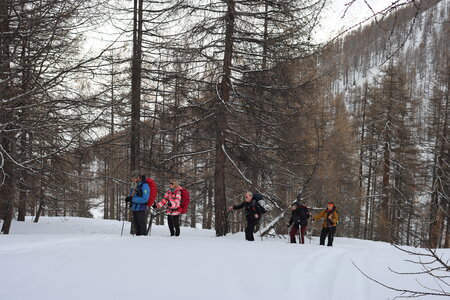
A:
(332, 23)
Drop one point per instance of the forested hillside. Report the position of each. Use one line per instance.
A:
(228, 96)
(394, 77)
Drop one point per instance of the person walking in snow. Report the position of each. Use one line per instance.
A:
(299, 218)
(172, 200)
(138, 198)
(331, 219)
(254, 208)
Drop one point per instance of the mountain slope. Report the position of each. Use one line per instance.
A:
(418, 40)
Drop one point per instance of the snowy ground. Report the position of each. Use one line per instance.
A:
(75, 258)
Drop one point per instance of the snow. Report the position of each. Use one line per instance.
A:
(338, 16)
(76, 258)
(439, 13)
(97, 209)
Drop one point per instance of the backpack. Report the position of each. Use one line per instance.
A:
(185, 199)
(261, 203)
(258, 205)
(153, 191)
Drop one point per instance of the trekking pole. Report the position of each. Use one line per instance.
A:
(123, 224)
(262, 217)
(126, 212)
(288, 234)
(309, 233)
(153, 213)
(299, 234)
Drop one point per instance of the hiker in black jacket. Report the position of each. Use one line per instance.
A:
(299, 218)
(254, 208)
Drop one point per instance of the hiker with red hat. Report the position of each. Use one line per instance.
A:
(331, 219)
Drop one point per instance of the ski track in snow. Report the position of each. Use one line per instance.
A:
(56, 259)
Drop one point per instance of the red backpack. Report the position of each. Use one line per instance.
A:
(185, 199)
(153, 191)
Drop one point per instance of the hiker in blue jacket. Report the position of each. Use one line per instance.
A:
(138, 198)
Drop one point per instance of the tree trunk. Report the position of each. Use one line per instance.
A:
(357, 219)
(135, 135)
(368, 197)
(209, 209)
(221, 124)
(136, 86)
(372, 200)
(193, 209)
(410, 214)
(384, 226)
(384, 234)
(23, 138)
(105, 189)
(447, 232)
(23, 196)
(39, 212)
(205, 205)
(6, 189)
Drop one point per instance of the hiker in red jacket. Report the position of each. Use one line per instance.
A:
(172, 200)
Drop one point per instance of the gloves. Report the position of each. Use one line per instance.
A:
(329, 223)
(128, 199)
(154, 206)
(169, 204)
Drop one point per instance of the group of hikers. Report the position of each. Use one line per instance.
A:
(143, 194)
(299, 222)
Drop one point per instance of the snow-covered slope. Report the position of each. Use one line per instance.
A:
(78, 258)
(420, 44)
(339, 16)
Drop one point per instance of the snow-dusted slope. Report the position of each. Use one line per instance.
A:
(420, 44)
(78, 258)
(339, 16)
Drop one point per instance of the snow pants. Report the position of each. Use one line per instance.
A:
(251, 223)
(330, 232)
(140, 222)
(174, 225)
(294, 231)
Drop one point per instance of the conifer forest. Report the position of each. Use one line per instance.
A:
(228, 96)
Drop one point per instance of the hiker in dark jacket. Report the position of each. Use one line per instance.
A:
(330, 222)
(254, 208)
(299, 218)
(138, 198)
